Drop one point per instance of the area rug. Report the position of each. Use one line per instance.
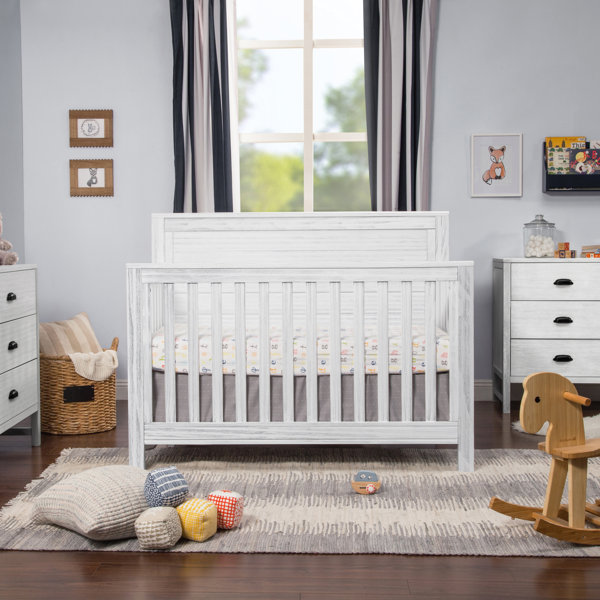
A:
(591, 425)
(301, 501)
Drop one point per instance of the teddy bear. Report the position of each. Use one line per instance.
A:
(6, 256)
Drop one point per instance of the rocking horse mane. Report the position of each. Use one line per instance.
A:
(543, 401)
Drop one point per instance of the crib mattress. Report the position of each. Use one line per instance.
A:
(419, 363)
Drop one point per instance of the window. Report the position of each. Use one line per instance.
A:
(301, 106)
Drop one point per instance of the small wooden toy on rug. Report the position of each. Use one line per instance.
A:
(553, 398)
(366, 482)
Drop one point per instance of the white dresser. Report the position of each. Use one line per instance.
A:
(546, 317)
(19, 349)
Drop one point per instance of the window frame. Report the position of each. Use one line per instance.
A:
(308, 136)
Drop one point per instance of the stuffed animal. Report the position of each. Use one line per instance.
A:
(6, 257)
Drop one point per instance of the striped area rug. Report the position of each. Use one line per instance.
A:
(302, 501)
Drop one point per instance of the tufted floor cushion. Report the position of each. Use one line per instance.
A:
(198, 519)
(158, 528)
(101, 503)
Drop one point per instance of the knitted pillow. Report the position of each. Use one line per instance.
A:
(158, 528)
(165, 486)
(198, 519)
(101, 503)
(230, 507)
(65, 337)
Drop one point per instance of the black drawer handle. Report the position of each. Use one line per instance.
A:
(11, 297)
(13, 394)
(563, 282)
(562, 358)
(563, 320)
(13, 345)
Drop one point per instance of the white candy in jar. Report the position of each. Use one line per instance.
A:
(539, 245)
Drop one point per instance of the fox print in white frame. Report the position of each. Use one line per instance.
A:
(497, 165)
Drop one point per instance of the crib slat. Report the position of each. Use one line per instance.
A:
(383, 390)
(359, 351)
(217, 352)
(288, 353)
(407, 351)
(335, 366)
(312, 414)
(147, 323)
(430, 352)
(193, 358)
(264, 355)
(240, 352)
(169, 317)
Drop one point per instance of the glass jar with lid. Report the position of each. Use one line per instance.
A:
(538, 238)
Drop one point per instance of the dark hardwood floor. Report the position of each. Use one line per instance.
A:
(90, 575)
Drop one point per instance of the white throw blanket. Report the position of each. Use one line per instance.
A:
(95, 366)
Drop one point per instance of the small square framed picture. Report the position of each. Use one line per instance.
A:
(497, 165)
(90, 128)
(91, 177)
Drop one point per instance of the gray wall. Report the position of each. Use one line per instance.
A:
(510, 68)
(11, 130)
(94, 54)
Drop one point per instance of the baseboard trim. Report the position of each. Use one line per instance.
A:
(483, 390)
(122, 389)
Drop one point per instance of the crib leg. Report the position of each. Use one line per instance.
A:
(466, 440)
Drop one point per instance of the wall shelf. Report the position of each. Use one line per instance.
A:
(568, 183)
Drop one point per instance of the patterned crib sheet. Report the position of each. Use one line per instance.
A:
(300, 351)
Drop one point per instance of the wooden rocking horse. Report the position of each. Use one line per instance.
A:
(553, 398)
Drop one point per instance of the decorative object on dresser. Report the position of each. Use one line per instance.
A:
(19, 365)
(545, 318)
(496, 165)
(299, 289)
(7, 257)
(90, 128)
(91, 177)
(71, 403)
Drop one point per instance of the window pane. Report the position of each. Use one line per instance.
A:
(341, 176)
(338, 19)
(270, 19)
(271, 177)
(339, 90)
(270, 91)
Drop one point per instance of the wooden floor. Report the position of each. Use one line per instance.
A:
(90, 575)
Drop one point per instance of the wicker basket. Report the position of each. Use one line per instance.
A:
(71, 404)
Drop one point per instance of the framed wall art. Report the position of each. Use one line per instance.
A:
(91, 177)
(497, 165)
(90, 128)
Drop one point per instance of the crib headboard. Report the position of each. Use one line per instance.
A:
(323, 239)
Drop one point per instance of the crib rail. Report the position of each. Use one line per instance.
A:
(162, 295)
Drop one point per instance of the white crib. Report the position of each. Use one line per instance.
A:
(347, 272)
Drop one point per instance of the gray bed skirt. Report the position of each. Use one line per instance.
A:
(158, 389)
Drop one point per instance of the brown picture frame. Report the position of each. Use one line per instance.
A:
(91, 128)
(92, 188)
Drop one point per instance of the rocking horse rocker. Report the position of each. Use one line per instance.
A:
(553, 398)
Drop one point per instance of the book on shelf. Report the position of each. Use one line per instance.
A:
(584, 161)
(574, 141)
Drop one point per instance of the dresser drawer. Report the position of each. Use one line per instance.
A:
(17, 294)
(555, 281)
(18, 390)
(541, 319)
(532, 356)
(18, 342)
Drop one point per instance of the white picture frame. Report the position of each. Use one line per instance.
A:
(496, 165)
